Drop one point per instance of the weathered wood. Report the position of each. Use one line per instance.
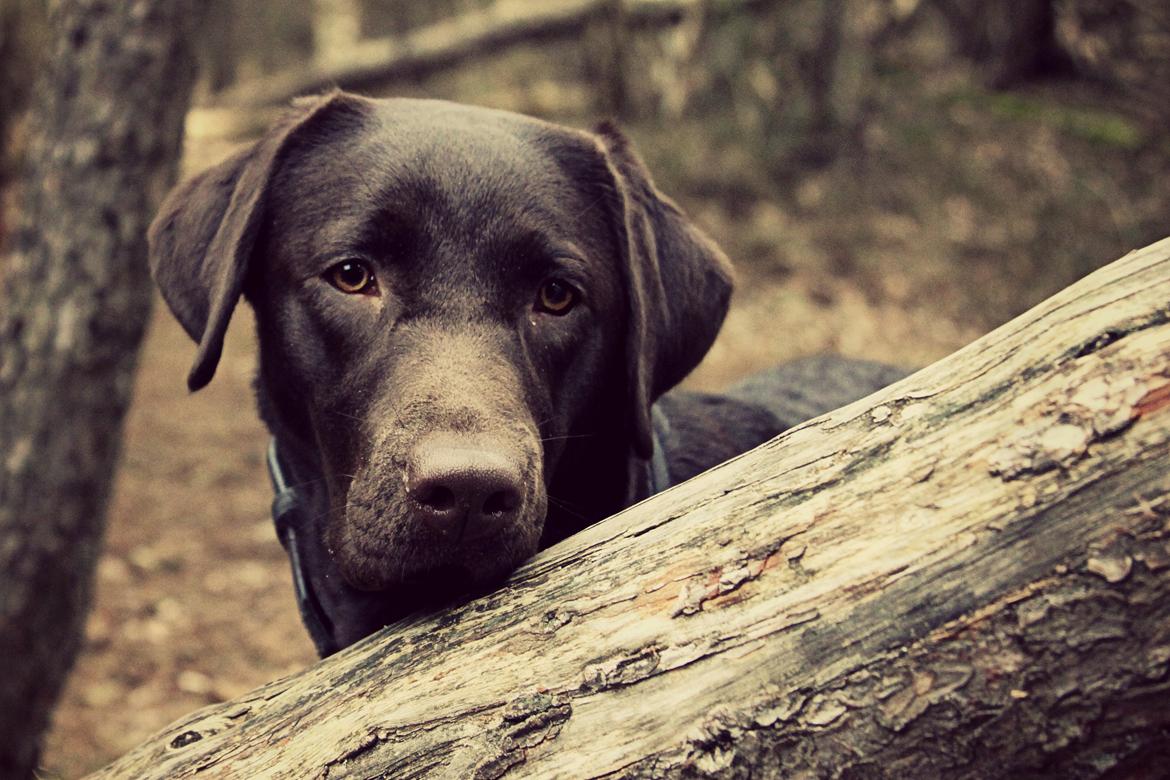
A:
(453, 42)
(966, 574)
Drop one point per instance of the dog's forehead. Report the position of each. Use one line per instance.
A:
(463, 136)
(475, 168)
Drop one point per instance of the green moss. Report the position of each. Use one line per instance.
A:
(1098, 126)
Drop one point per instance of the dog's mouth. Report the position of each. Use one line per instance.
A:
(424, 562)
(448, 583)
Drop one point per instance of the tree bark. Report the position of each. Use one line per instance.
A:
(966, 574)
(452, 42)
(74, 298)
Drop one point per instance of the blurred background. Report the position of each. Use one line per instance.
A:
(892, 178)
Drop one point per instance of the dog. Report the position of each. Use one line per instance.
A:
(468, 323)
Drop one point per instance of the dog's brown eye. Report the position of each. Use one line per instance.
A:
(352, 277)
(556, 297)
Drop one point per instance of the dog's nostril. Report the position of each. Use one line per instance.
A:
(467, 488)
(440, 498)
(501, 502)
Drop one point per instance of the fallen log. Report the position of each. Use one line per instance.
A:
(453, 42)
(966, 574)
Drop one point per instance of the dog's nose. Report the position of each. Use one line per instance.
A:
(466, 491)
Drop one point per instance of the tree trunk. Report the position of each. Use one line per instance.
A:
(74, 298)
(966, 574)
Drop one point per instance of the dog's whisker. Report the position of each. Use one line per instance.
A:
(326, 514)
(318, 480)
(571, 508)
(346, 415)
(569, 436)
(306, 483)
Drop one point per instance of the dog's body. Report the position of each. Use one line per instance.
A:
(465, 319)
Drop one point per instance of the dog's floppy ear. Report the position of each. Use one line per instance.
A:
(678, 284)
(202, 238)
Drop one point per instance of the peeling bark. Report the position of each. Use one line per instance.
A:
(966, 574)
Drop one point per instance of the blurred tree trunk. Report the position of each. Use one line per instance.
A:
(21, 28)
(218, 47)
(381, 18)
(605, 46)
(803, 78)
(75, 293)
(1009, 40)
(1125, 43)
(337, 27)
(836, 69)
(239, 40)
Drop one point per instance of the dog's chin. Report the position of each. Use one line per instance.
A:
(447, 583)
(427, 569)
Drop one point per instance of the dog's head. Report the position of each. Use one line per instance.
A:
(448, 298)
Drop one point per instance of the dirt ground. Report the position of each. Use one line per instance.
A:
(905, 259)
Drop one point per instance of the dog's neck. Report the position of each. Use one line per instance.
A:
(289, 509)
(601, 476)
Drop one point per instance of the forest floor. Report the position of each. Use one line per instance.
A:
(963, 209)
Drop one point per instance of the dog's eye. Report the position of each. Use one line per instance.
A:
(556, 297)
(352, 277)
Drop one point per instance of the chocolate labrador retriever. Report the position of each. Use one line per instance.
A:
(467, 321)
